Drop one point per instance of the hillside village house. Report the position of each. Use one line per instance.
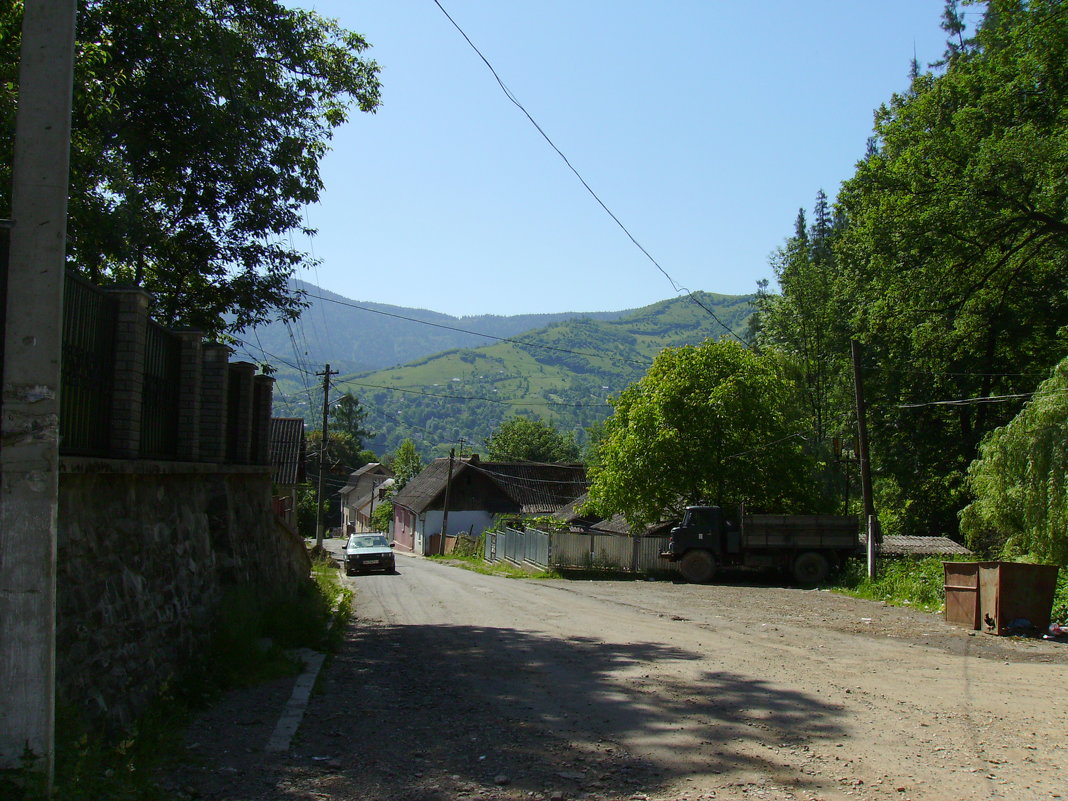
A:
(366, 488)
(477, 492)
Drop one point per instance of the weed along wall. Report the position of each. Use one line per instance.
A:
(146, 551)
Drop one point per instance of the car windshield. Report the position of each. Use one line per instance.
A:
(368, 541)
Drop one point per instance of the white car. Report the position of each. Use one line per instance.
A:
(369, 552)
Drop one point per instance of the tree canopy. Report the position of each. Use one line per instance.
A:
(946, 259)
(350, 417)
(1020, 480)
(197, 135)
(406, 464)
(524, 439)
(715, 423)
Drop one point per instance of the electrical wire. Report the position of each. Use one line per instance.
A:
(478, 333)
(508, 93)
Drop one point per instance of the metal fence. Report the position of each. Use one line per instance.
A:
(88, 367)
(159, 413)
(563, 549)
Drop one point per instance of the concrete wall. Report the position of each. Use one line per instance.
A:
(145, 552)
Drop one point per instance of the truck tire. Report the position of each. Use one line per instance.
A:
(811, 568)
(697, 567)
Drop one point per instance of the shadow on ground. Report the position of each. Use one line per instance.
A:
(447, 712)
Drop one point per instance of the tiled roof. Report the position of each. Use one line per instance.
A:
(533, 488)
(287, 450)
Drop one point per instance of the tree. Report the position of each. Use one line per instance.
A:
(951, 264)
(349, 416)
(1020, 480)
(197, 135)
(713, 423)
(524, 439)
(406, 464)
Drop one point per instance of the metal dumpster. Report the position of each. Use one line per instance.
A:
(962, 593)
(1015, 597)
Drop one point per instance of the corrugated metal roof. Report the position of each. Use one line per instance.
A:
(906, 545)
(287, 450)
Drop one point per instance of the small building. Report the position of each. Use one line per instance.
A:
(364, 490)
(287, 466)
(477, 492)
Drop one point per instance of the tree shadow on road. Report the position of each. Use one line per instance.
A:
(443, 712)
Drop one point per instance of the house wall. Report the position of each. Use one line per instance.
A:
(146, 551)
(460, 522)
(404, 522)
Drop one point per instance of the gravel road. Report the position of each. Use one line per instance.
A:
(453, 685)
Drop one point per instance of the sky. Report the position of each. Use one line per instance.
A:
(703, 125)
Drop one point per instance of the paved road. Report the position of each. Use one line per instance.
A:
(453, 685)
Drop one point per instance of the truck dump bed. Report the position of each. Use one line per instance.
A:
(835, 532)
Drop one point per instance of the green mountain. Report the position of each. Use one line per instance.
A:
(357, 336)
(563, 372)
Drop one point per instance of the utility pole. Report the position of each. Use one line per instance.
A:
(862, 455)
(445, 513)
(327, 372)
(32, 347)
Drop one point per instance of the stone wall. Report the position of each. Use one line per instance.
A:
(145, 551)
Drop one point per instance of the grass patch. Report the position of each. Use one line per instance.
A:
(918, 582)
(477, 564)
(249, 640)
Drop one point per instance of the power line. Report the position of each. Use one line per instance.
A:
(508, 93)
(973, 401)
(479, 333)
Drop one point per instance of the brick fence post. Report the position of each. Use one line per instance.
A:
(239, 412)
(262, 392)
(189, 395)
(214, 386)
(130, 333)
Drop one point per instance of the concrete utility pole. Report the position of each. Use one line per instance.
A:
(29, 425)
(327, 372)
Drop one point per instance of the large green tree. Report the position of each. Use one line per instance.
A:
(406, 464)
(198, 129)
(350, 417)
(1020, 480)
(950, 254)
(526, 439)
(714, 423)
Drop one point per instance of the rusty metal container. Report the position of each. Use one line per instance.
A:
(1013, 592)
(962, 593)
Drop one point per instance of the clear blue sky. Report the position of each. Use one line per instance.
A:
(703, 125)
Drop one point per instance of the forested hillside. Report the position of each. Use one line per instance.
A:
(356, 336)
(946, 256)
(562, 373)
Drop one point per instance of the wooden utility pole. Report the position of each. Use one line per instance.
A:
(871, 520)
(32, 347)
(327, 372)
(445, 512)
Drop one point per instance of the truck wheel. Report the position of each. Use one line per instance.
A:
(697, 567)
(811, 568)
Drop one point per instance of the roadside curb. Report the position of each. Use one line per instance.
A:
(297, 705)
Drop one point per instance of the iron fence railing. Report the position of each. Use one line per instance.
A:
(159, 412)
(85, 396)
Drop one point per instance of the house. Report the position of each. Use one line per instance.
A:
(287, 466)
(478, 491)
(364, 490)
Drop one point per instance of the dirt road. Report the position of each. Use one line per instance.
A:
(453, 685)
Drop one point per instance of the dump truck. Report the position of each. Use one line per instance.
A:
(804, 546)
